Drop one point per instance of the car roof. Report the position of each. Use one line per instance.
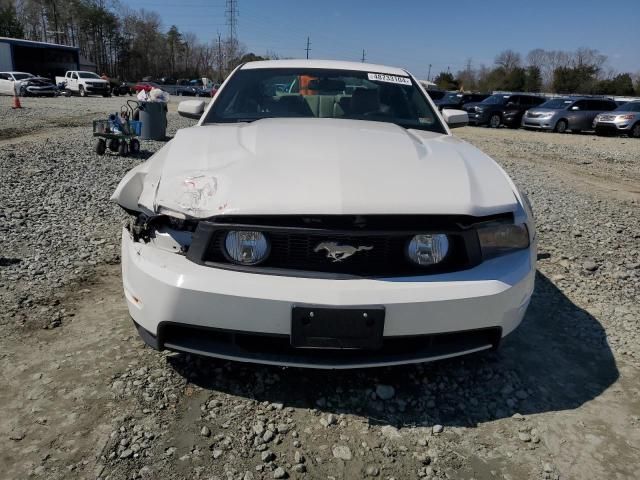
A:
(332, 64)
(13, 73)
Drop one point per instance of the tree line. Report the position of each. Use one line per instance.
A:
(583, 71)
(125, 43)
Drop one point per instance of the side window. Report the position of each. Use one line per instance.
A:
(580, 105)
(74, 76)
(514, 100)
(535, 101)
(608, 106)
(4, 76)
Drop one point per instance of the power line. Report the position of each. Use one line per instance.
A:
(308, 49)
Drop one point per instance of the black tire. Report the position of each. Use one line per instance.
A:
(101, 146)
(635, 131)
(495, 120)
(115, 92)
(134, 146)
(561, 126)
(82, 91)
(113, 144)
(123, 149)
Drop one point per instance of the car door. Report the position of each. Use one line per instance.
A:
(576, 115)
(6, 85)
(72, 81)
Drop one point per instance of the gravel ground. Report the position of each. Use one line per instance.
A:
(83, 398)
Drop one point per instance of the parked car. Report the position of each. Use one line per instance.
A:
(564, 114)
(324, 229)
(501, 109)
(38, 87)
(146, 86)
(436, 94)
(214, 89)
(459, 99)
(84, 83)
(10, 82)
(624, 120)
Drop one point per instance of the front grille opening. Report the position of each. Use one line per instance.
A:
(294, 239)
(296, 251)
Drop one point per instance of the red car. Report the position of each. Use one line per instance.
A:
(146, 86)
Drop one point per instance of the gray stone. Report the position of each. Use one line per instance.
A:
(342, 452)
(385, 392)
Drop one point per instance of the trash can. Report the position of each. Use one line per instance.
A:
(153, 116)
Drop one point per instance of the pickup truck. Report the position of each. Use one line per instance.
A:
(84, 83)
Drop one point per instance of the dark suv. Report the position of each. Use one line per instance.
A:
(457, 100)
(501, 109)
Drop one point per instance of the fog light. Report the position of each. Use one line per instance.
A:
(428, 249)
(246, 248)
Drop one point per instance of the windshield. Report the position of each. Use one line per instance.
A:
(557, 103)
(451, 98)
(88, 75)
(22, 76)
(629, 107)
(496, 99)
(254, 94)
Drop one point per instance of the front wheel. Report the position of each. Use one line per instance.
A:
(82, 91)
(635, 131)
(123, 149)
(495, 120)
(561, 126)
(134, 146)
(101, 146)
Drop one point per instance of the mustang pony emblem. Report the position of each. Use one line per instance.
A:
(337, 253)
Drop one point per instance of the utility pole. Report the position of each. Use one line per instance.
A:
(429, 74)
(232, 20)
(364, 55)
(308, 49)
(448, 70)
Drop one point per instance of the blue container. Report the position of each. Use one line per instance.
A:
(135, 127)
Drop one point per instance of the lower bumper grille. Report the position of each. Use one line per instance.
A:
(277, 349)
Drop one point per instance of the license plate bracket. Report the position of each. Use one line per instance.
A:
(337, 327)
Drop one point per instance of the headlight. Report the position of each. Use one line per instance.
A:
(498, 239)
(626, 117)
(546, 115)
(428, 249)
(246, 248)
(479, 109)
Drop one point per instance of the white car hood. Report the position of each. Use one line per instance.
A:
(316, 166)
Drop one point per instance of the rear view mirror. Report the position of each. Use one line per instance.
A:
(455, 118)
(191, 108)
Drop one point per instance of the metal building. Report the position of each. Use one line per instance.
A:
(39, 58)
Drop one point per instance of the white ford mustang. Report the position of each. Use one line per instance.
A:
(322, 215)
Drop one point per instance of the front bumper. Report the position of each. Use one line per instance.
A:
(97, 88)
(179, 305)
(478, 118)
(538, 123)
(616, 127)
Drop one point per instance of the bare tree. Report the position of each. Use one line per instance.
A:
(508, 59)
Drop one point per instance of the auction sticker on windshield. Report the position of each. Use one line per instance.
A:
(381, 77)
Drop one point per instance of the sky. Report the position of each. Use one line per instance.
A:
(413, 34)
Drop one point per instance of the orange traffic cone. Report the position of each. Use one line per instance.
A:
(16, 101)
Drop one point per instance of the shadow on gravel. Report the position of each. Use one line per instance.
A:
(557, 360)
